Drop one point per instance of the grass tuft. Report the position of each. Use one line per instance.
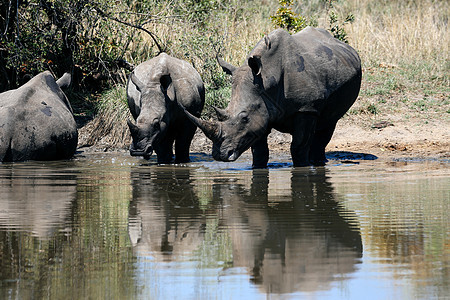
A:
(110, 126)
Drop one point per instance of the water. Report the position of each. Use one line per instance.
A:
(111, 226)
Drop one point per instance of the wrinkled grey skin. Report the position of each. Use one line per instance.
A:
(300, 84)
(153, 90)
(36, 121)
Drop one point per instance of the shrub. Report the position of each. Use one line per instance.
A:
(286, 18)
(336, 26)
(62, 35)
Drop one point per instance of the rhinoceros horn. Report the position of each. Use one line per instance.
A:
(134, 130)
(222, 114)
(211, 129)
(226, 67)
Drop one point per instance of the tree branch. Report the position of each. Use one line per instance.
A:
(103, 14)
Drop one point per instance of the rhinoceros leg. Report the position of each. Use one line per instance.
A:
(320, 140)
(260, 153)
(164, 150)
(304, 125)
(5, 150)
(5, 142)
(338, 104)
(183, 142)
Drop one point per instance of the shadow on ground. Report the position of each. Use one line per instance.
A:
(346, 155)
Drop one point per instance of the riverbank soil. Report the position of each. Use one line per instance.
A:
(398, 139)
(388, 129)
(396, 130)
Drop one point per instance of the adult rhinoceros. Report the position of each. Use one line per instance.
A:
(36, 121)
(153, 90)
(299, 84)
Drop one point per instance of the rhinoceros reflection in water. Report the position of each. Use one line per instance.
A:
(304, 243)
(34, 199)
(295, 241)
(164, 215)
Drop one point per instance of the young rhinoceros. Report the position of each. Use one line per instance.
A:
(153, 90)
(300, 84)
(36, 121)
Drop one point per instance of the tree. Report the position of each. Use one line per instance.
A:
(59, 35)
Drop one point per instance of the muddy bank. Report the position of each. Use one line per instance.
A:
(398, 137)
(414, 138)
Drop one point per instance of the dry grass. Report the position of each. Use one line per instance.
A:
(404, 47)
(401, 32)
(385, 32)
(109, 128)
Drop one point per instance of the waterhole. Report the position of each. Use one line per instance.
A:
(112, 226)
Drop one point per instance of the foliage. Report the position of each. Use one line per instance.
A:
(286, 18)
(59, 35)
(207, 28)
(336, 27)
(94, 39)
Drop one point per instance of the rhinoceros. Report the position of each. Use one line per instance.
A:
(300, 84)
(154, 91)
(36, 121)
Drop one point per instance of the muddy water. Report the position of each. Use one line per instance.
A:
(106, 226)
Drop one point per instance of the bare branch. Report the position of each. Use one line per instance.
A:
(153, 36)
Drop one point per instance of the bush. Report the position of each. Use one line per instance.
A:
(286, 18)
(336, 26)
(57, 35)
(94, 39)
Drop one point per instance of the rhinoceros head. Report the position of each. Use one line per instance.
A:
(244, 121)
(151, 124)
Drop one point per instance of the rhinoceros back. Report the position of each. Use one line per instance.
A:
(40, 124)
(188, 85)
(307, 67)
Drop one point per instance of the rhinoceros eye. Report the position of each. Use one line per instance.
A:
(155, 124)
(244, 117)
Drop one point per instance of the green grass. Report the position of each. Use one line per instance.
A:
(110, 121)
(114, 101)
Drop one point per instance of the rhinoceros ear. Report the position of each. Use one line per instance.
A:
(267, 42)
(254, 62)
(226, 67)
(167, 86)
(139, 85)
(64, 81)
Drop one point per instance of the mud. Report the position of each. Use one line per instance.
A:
(413, 138)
